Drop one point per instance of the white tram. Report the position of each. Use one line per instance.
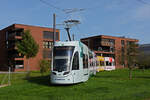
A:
(72, 63)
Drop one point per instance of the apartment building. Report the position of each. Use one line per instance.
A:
(109, 46)
(8, 50)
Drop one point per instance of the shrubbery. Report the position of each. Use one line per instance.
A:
(144, 61)
(44, 66)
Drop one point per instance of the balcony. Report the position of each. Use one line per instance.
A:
(18, 56)
(14, 35)
(104, 52)
(104, 43)
(13, 54)
(105, 49)
(11, 46)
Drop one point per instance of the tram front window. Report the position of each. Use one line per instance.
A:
(62, 58)
(61, 65)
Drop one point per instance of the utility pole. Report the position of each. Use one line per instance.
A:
(54, 28)
(54, 32)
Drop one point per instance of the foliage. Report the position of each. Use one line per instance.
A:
(128, 57)
(28, 45)
(143, 60)
(44, 66)
(131, 55)
(112, 85)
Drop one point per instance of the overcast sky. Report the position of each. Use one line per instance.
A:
(129, 18)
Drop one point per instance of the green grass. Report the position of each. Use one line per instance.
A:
(114, 85)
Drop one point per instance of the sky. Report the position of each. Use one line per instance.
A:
(129, 18)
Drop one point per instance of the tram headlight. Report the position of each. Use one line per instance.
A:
(65, 73)
(54, 73)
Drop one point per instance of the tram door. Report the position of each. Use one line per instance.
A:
(76, 72)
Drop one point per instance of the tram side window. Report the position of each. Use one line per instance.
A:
(85, 61)
(91, 60)
(108, 63)
(102, 63)
(75, 64)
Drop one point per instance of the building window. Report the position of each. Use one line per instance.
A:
(47, 44)
(18, 33)
(112, 42)
(19, 64)
(49, 35)
(108, 63)
(122, 42)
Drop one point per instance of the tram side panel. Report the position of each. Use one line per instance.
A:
(109, 64)
(84, 57)
(76, 69)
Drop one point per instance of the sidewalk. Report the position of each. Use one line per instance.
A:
(12, 72)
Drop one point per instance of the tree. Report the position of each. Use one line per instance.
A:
(131, 56)
(28, 47)
(44, 66)
(128, 56)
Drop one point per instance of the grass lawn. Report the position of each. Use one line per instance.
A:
(113, 85)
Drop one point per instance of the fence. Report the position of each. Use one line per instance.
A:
(5, 79)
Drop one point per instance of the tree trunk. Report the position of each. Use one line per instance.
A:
(143, 68)
(130, 73)
(28, 70)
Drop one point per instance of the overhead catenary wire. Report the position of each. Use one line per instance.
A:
(144, 2)
(69, 14)
(67, 11)
(51, 5)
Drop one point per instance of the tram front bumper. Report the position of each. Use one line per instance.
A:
(62, 80)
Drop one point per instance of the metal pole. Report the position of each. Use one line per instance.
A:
(54, 27)
(73, 37)
(54, 34)
(9, 76)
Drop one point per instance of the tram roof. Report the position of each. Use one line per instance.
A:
(68, 43)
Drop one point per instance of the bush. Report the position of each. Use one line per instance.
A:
(144, 61)
(44, 66)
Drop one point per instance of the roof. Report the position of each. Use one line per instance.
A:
(26, 25)
(106, 36)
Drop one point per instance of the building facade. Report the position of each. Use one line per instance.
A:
(109, 46)
(8, 49)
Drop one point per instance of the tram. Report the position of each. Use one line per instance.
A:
(72, 63)
(109, 63)
(100, 63)
(105, 63)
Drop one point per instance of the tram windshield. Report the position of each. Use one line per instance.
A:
(62, 58)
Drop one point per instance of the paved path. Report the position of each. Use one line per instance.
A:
(12, 72)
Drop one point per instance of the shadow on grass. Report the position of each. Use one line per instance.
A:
(143, 77)
(97, 90)
(45, 80)
(107, 76)
(41, 80)
(121, 77)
